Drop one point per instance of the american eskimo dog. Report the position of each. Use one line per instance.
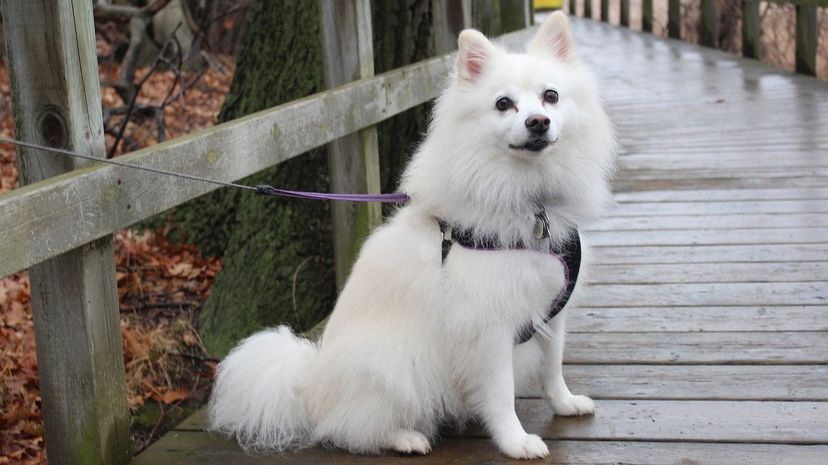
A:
(517, 157)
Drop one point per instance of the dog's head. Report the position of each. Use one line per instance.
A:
(512, 129)
(523, 100)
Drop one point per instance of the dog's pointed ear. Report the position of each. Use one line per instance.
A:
(474, 50)
(554, 38)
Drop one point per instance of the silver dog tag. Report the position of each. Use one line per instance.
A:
(541, 229)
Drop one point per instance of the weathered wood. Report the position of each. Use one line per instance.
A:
(712, 254)
(623, 295)
(643, 420)
(806, 39)
(719, 208)
(697, 348)
(353, 160)
(700, 382)
(674, 19)
(56, 97)
(709, 30)
(723, 221)
(751, 23)
(768, 318)
(40, 221)
(805, 193)
(722, 272)
(625, 13)
(666, 420)
(196, 447)
(447, 22)
(647, 15)
(711, 236)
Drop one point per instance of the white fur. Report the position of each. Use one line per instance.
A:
(414, 342)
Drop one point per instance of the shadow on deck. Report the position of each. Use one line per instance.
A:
(704, 336)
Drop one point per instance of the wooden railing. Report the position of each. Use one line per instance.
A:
(807, 28)
(59, 225)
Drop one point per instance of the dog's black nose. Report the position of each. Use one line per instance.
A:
(538, 124)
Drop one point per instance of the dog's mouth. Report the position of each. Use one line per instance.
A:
(535, 145)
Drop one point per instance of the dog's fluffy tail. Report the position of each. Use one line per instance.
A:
(257, 396)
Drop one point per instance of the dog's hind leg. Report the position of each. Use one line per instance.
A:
(554, 387)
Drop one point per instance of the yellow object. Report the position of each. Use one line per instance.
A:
(547, 4)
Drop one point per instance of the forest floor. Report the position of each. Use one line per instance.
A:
(161, 285)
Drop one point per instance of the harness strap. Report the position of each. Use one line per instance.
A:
(569, 252)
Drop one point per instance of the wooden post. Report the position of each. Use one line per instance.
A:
(806, 39)
(447, 22)
(353, 161)
(674, 19)
(467, 14)
(605, 10)
(709, 34)
(625, 13)
(750, 28)
(56, 102)
(647, 15)
(588, 9)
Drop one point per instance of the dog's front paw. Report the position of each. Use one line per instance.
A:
(528, 446)
(570, 405)
(409, 442)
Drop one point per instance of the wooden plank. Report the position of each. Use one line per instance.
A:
(750, 318)
(41, 220)
(769, 422)
(722, 272)
(199, 448)
(807, 37)
(771, 253)
(353, 160)
(809, 193)
(711, 237)
(697, 348)
(720, 208)
(709, 32)
(750, 221)
(647, 15)
(700, 382)
(674, 19)
(708, 294)
(713, 421)
(750, 29)
(56, 97)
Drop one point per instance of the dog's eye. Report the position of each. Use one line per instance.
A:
(550, 96)
(503, 104)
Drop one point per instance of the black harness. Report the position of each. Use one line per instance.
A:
(569, 251)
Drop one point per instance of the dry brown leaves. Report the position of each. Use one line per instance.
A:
(161, 285)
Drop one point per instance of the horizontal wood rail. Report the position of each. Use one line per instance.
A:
(45, 219)
(807, 26)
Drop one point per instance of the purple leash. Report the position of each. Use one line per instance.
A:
(396, 197)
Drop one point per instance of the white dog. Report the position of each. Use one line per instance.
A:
(425, 330)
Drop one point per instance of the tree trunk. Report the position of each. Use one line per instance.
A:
(277, 252)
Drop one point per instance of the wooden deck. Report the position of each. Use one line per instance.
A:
(704, 338)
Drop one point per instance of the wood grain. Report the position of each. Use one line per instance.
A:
(56, 95)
